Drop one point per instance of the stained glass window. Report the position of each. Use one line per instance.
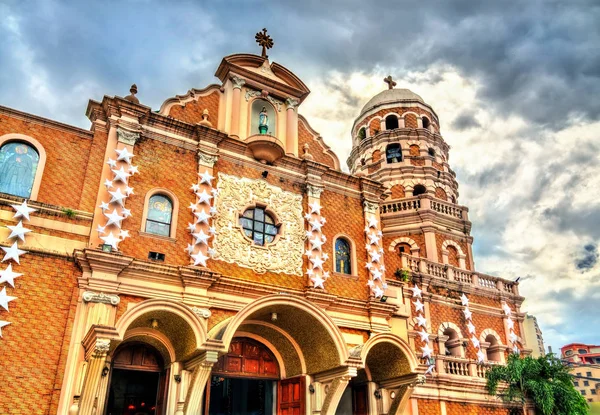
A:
(393, 153)
(18, 164)
(342, 256)
(160, 212)
(259, 226)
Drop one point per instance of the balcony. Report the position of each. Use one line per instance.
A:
(450, 273)
(460, 367)
(424, 204)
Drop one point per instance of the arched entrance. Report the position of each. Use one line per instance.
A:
(244, 380)
(137, 381)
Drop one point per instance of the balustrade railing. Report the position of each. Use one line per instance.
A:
(426, 203)
(451, 273)
(458, 366)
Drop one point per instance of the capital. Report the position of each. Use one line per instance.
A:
(101, 347)
(370, 207)
(127, 137)
(207, 160)
(314, 191)
(94, 297)
(237, 82)
(291, 103)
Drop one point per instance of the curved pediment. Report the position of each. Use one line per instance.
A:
(261, 74)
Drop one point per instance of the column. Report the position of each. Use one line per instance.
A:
(382, 124)
(194, 399)
(316, 275)
(96, 363)
(291, 134)
(430, 244)
(235, 109)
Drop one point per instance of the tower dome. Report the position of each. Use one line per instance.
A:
(391, 96)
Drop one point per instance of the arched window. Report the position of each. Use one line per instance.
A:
(431, 151)
(393, 153)
(259, 226)
(263, 118)
(492, 352)
(453, 256)
(426, 122)
(18, 165)
(362, 134)
(391, 122)
(453, 344)
(343, 260)
(419, 189)
(403, 248)
(160, 215)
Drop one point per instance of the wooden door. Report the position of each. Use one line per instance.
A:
(290, 396)
(360, 404)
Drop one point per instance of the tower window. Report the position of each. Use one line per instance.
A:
(259, 226)
(419, 190)
(426, 122)
(393, 153)
(391, 122)
(431, 152)
(362, 134)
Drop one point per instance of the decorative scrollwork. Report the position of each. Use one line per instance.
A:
(252, 93)
(207, 160)
(314, 191)
(370, 207)
(94, 297)
(202, 312)
(235, 194)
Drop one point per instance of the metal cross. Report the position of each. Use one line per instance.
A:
(265, 41)
(391, 83)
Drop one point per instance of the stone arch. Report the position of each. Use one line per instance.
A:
(324, 348)
(487, 332)
(37, 181)
(269, 346)
(449, 325)
(414, 248)
(396, 342)
(461, 255)
(454, 346)
(175, 321)
(391, 121)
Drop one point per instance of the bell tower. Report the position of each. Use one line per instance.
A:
(396, 141)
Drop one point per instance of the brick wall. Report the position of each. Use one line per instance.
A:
(428, 407)
(440, 239)
(191, 112)
(440, 193)
(398, 191)
(67, 154)
(458, 408)
(314, 148)
(41, 319)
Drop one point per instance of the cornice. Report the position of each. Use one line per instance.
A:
(45, 122)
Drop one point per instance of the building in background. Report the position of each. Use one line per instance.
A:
(585, 361)
(533, 336)
(211, 256)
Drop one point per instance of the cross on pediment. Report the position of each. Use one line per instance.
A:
(265, 41)
(391, 83)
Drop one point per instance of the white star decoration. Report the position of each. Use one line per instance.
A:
(3, 324)
(126, 212)
(206, 178)
(375, 256)
(9, 276)
(464, 300)
(317, 243)
(421, 321)
(121, 175)
(416, 291)
(429, 369)
(426, 350)
(378, 292)
(317, 262)
(471, 327)
(373, 239)
(117, 197)
(108, 184)
(190, 249)
(13, 253)
(124, 155)
(100, 229)
(510, 323)
(506, 309)
(111, 240)
(199, 258)
(114, 218)
(480, 356)
(124, 234)
(5, 299)
(475, 342)
(112, 163)
(18, 231)
(195, 187)
(377, 275)
(373, 223)
(191, 227)
(424, 335)
(316, 225)
(315, 208)
(202, 216)
(317, 282)
(468, 313)
(201, 237)
(513, 337)
(418, 305)
(23, 210)
(103, 206)
(204, 197)
(133, 170)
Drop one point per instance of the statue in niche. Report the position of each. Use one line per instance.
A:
(263, 121)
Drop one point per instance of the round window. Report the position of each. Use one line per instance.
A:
(259, 226)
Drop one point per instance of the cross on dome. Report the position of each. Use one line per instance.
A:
(391, 83)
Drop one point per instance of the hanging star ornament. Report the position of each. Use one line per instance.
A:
(5, 299)
(23, 210)
(506, 309)
(112, 163)
(3, 324)
(416, 291)
(201, 237)
(468, 313)
(424, 335)
(317, 281)
(480, 356)
(133, 170)
(199, 259)
(510, 324)
(108, 183)
(426, 350)
(418, 305)
(124, 155)
(316, 243)
(111, 240)
(471, 327)
(18, 231)
(317, 262)
(316, 225)
(429, 370)
(114, 218)
(378, 292)
(189, 249)
(421, 321)
(202, 216)
(12, 253)
(206, 178)
(117, 197)
(103, 206)
(204, 197)
(195, 188)
(120, 175)
(464, 300)
(475, 342)
(9, 276)
(315, 208)
(373, 223)
(100, 229)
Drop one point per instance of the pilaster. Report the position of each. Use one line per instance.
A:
(201, 374)
(291, 135)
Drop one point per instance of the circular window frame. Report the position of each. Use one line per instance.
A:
(277, 223)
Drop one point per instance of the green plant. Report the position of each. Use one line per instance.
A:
(402, 274)
(544, 380)
(69, 213)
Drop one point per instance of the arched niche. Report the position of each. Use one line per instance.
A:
(255, 110)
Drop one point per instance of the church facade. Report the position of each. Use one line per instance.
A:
(211, 257)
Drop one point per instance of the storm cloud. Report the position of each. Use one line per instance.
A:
(516, 85)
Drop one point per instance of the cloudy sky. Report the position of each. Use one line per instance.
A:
(516, 85)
